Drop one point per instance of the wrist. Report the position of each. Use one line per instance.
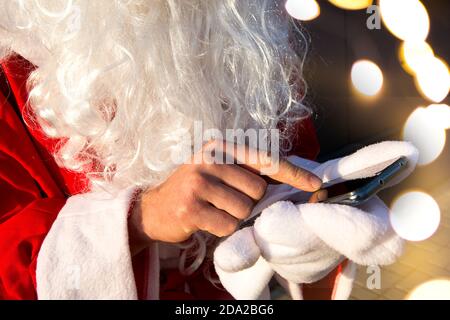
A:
(138, 239)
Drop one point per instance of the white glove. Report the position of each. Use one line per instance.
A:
(302, 243)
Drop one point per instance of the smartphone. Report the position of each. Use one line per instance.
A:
(356, 192)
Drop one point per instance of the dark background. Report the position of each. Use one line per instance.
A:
(346, 121)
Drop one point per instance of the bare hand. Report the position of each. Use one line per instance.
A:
(208, 197)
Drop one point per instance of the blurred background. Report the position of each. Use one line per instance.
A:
(383, 75)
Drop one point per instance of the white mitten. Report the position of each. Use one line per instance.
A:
(303, 242)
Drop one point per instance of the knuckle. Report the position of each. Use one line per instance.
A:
(187, 207)
(197, 181)
(183, 212)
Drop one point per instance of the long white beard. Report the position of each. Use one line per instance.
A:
(124, 81)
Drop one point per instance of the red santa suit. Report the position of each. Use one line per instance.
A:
(58, 242)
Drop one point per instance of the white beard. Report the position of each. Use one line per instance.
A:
(125, 82)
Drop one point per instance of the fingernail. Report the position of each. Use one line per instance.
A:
(322, 195)
(315, 182)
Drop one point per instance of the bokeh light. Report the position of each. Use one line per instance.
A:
(413, 54)
(440, 115)
(408, 20)
(304, 10)
(438, 289)
(428, 137)
(352, 4)
(367, 77)
(433, 79)
(415, 216)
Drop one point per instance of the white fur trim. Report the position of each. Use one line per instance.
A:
(86, 253)
(344, 283)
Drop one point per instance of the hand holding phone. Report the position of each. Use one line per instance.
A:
(355, 192)
(361, 190)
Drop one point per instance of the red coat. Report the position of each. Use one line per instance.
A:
(33, 189)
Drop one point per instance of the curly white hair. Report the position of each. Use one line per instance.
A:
(121, 82)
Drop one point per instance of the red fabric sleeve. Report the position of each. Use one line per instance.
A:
(26, 215)
(30, 200)
(21, 236)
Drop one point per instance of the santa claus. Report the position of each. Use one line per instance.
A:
(95, 97)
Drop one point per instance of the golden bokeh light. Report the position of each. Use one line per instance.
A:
(433, 79)
(438, 289)
(367, 77)
(440, 115)
(351, 4)
(422, 131)
(408, 20)
(413, 53)
(303, 10)
(415, 216)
